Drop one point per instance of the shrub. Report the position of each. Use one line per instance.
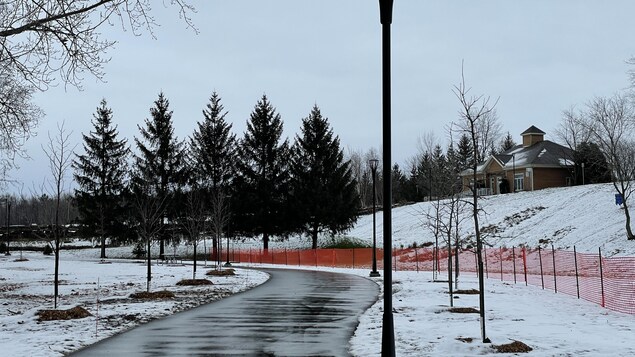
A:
(48, 250)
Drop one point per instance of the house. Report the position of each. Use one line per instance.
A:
(533, 165)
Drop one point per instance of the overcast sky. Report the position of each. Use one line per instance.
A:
(538, 57)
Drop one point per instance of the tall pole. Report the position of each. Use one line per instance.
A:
(8, 224)
(388, 329)
(373, 167)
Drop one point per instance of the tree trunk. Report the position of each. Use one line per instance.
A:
(57, 269)
(629, 231)
(162, 247)
(194, 272)
(103, 246)
(265, 241)
(149, 277)
(314, 237)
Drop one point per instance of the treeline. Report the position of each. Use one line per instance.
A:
(213, 183)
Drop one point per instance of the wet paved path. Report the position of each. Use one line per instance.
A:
(295, 313)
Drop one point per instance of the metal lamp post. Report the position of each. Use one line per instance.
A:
(583, 173)
(388, 328)
(7, 252)
(373, 167)
(228, 264)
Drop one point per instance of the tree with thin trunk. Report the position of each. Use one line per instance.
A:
(59, 153)
(194, 221)
(263, 174)
(611, 122)
(101, 174)
(475, 109)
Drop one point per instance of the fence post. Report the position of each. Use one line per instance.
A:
(486, 270)
(577, 281)
(353, 258)
(500, 251)
(333, 251)
(524, 251)
(542, 277)
(286, 257)
(315, 253)
(416, 259)
(553, 256)
(601, 276)
(514, 261)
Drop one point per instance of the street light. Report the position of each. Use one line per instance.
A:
(388, 328)
(228, 264)
(7, 252)
(373, 167)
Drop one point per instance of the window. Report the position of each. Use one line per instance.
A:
(519, 180)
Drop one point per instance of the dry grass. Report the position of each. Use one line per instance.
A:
(77, 312)
(224, 272)
(463, 310)
(194, 282)
(155, 295)
(513, 347)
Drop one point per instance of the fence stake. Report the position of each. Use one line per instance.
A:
(542, 277)
(333, 250)
(525, 264)
(601, 275)
(394, 257)
(353, 258)
(486, 270)
(500, 250)
(514, 261)
(416, 259)
(315, 252)
(286, 258)
(577, 281)
(476, 263)
(553, 256)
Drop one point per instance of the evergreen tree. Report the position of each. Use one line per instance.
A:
(465, 153)
(596, 168)
(399, 185)
(507, 143)
(101, 175)
(263, 177)
(161, 159)
(213, 158)
(323, 189)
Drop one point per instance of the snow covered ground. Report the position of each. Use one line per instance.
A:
(552, 324)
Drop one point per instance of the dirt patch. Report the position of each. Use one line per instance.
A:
(513, 347)
(194, 282)
(465, 339)
(463, 310)
(77, 312)
(155, 295)
(467, 292)
(224, 272)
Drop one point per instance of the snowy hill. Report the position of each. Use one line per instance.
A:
(582, 216)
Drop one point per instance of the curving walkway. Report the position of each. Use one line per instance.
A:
(295, 313)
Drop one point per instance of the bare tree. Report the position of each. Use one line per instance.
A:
(611, 122)
(149, 208)
(475, 109)
(59, 153)
(42, 40)
(488, 129)
(220, 214)
(194, 221)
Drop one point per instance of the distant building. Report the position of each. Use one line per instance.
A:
(535, 164)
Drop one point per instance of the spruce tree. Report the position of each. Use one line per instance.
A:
(324, 191)
(101, 175)
(263, 175)
(465, 152)
(161, 159)
(507, 143)
(213, 158)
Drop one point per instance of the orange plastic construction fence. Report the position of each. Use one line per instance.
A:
(609, 282)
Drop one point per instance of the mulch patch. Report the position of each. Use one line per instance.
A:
(467, 292)
(224, 272)
(155, 295)
(194, 282)
(463, 310)
(513, 347)
(465, 339)
(77, 312)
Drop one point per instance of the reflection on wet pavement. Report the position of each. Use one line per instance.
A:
(296, 313)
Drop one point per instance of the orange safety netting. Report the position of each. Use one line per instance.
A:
(609, 282)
